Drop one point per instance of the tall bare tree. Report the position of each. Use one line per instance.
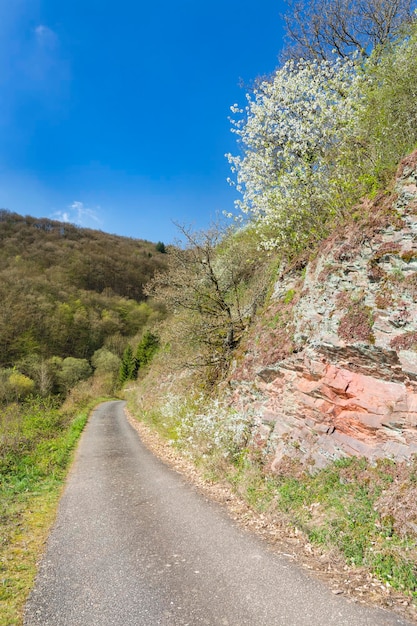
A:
(207, 286)
(322, 29)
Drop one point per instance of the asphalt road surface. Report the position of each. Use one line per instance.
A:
(135, 545)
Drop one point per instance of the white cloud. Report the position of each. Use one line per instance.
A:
(33, 65)
(43, 65)
(78, 213)
(45, 37)
(62, 216)
(84, 213)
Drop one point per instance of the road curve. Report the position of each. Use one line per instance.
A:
(135, 545)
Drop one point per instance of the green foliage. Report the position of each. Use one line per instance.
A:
(105, 362)
(208, 289)
(36, 440)
(146, 349)
(337, 507)
(20, 385)
(388, 115)
(127, 366)
(66, 290)
(289, 296)
(42, 371)
(160, 247)
(72, 371)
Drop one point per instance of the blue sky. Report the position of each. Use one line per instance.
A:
(114, 115)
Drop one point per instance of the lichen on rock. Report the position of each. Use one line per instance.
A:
(344, 377)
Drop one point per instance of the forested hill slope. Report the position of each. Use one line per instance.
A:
(65, 290)
(84, 258)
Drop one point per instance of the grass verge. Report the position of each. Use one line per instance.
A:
(36, 443)
(365, 512)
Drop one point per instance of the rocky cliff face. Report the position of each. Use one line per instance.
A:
(331, 369)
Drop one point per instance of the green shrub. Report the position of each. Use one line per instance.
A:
(105, 362)
(72, 371)
(388, 112)
(20, 385)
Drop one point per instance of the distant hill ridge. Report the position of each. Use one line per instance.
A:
(122, 264)
(65, 290)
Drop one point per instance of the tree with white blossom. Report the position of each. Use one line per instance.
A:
(291, 171)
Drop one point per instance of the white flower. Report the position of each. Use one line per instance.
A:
(289, 174)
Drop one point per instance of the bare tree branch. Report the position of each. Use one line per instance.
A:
(322, 29)
(207, 287)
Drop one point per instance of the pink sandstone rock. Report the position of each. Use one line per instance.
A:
(332, 397)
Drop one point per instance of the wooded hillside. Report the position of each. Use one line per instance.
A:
(67, 291)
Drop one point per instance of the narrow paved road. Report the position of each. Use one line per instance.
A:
(134, 545)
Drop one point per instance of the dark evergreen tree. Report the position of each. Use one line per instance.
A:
(128, 366)
(146, 349)
(160, 246)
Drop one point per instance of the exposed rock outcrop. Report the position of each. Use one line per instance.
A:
(331, 370)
